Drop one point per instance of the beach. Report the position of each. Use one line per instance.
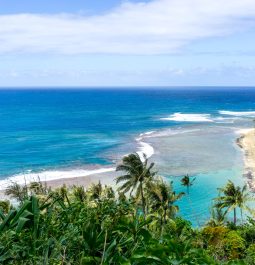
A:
(105, 177)
(182, 132)
(247, 142)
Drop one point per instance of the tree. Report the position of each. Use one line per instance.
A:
(138, 175)
(187, 182)
(163, 199)
(233, 197)
(218, 217)
(16, 191)
(243, 198)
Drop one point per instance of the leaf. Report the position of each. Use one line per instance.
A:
(22, 221)
(7, 255)
(2, 216)
(21, 210)
(7, 220)
(36, 213)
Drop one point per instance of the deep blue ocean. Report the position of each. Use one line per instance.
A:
(62, 129)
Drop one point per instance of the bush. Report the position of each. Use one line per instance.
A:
(5, 206)
(234, 245)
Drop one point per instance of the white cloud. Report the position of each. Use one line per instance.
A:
(157, 27)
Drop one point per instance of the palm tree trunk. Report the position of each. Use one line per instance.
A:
(143, 200)
(165, 216)
(234, 215)
(192, 211)
(162, 222)
(161, 225)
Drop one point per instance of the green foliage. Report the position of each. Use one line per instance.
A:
(94, 226)
(233, 197)
(234, 245)
(4, 206)
(16, 191)
(138, 175)
(250, 254)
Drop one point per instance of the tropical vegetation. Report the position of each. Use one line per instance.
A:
(136, 222)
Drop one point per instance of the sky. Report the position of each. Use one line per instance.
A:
(113, 43)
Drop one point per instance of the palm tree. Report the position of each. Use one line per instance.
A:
(138, 174)
(218, 217)
(187, 182)
(243, 199)
(163, 199)
(233, 197)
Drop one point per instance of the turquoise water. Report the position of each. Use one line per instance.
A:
(62, 130)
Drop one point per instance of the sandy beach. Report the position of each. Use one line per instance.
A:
(106, 178)
(247, 142)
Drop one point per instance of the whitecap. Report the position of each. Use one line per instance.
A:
(146, 149)
(238, 113)
(145, 135)
(188, 117)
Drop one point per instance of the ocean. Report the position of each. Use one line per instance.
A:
(62, 133)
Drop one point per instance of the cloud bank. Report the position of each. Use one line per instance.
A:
(157, 27)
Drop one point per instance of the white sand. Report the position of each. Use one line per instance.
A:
(247, 143)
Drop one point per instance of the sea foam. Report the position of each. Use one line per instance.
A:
(188, 117)
(145, 148)
(238, 113)
(51, 175)
(48, 175)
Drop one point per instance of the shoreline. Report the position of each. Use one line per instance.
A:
(246, 142)
(106, 175)
(81, 177)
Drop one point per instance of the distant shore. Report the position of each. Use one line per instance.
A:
(247, 142)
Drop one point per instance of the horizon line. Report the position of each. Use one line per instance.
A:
(123, 87)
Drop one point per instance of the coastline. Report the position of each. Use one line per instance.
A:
(246, 142)
(107, 175)
(79, 177)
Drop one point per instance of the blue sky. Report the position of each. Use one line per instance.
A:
(57, 6)
(127, 43)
